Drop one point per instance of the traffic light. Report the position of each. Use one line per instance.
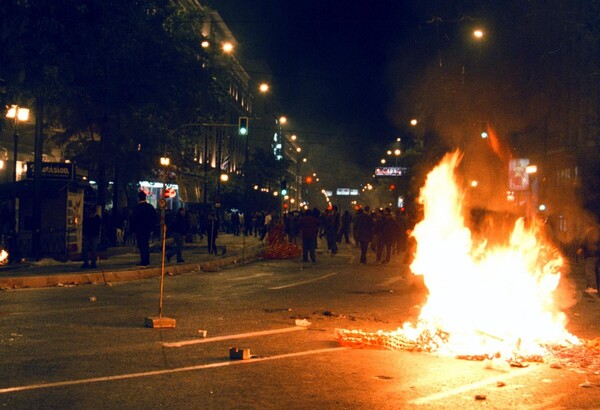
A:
(243, 126)
(309, 179)
(284, 190)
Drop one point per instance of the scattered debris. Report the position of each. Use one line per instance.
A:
(202, 333)
(92, 298)
(480, 397)
(586, 384)
(500, 384)
(239, 354)
(302, 322)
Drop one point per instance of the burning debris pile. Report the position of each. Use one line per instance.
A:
(277, 245)
(484, 301)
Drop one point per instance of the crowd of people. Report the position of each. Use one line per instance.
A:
(378, 233)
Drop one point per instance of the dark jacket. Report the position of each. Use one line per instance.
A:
(92, 225)
(309, 226)
(143, 218)
(363, 227)
(180, 224)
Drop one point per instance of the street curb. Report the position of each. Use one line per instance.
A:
(105, 277)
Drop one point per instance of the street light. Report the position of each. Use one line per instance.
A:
(478, 33)
(18, 114)
(263, 88)
(531, 171)
(227, 47)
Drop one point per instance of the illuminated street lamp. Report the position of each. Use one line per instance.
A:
(227, 47)
(531, 171)
(18, 114)
(383, 160)
(413, 122)
(298, 149)
(263, 88)
(224, 177)
(478, 34)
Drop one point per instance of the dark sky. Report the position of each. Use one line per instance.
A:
(336, 66)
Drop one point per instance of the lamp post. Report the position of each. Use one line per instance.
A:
(531, 171)
(18, 114)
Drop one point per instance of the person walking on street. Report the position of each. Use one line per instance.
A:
(363, 231)
(387, 232)
(590, 250)
(332, 229)
(309, 225)
(266, 225)
(92, 223)
(143, 221)
(178, 230)
(212, 232)
(346, 224)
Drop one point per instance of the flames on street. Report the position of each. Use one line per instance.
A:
(484, 300)
(3, 257)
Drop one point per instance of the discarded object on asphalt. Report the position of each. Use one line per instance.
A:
(239, 354)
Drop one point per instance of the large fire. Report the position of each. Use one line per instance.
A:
(484, 300)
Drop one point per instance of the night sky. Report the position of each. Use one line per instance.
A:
(338, 69)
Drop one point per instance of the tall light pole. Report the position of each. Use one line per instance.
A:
(18, 114)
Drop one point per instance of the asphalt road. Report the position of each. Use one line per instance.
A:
(86, 347)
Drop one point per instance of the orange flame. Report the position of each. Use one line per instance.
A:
(488, 299)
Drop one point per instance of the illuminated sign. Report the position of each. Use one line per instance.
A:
(518, 179)
(390, 171)
(52, 170)
(354, 192)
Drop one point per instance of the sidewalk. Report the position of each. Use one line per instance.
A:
(120, 264)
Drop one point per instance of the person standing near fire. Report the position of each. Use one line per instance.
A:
(363, 231)
(309, 226)
(590, 250)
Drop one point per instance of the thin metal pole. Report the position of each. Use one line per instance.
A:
(162, 268)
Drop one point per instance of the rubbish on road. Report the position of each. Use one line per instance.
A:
(480, 397)
(586, 384)
(92, 298)
(158, 322)
(202, 333)
(500, 384)
(302, 322)
(239, 354)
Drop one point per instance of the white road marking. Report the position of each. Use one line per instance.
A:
(237, 336)
(303, 282)
(257, 275)
(167, 371)
(391, 280)
(476, 385)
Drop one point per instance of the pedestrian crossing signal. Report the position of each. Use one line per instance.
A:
(243, 126)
